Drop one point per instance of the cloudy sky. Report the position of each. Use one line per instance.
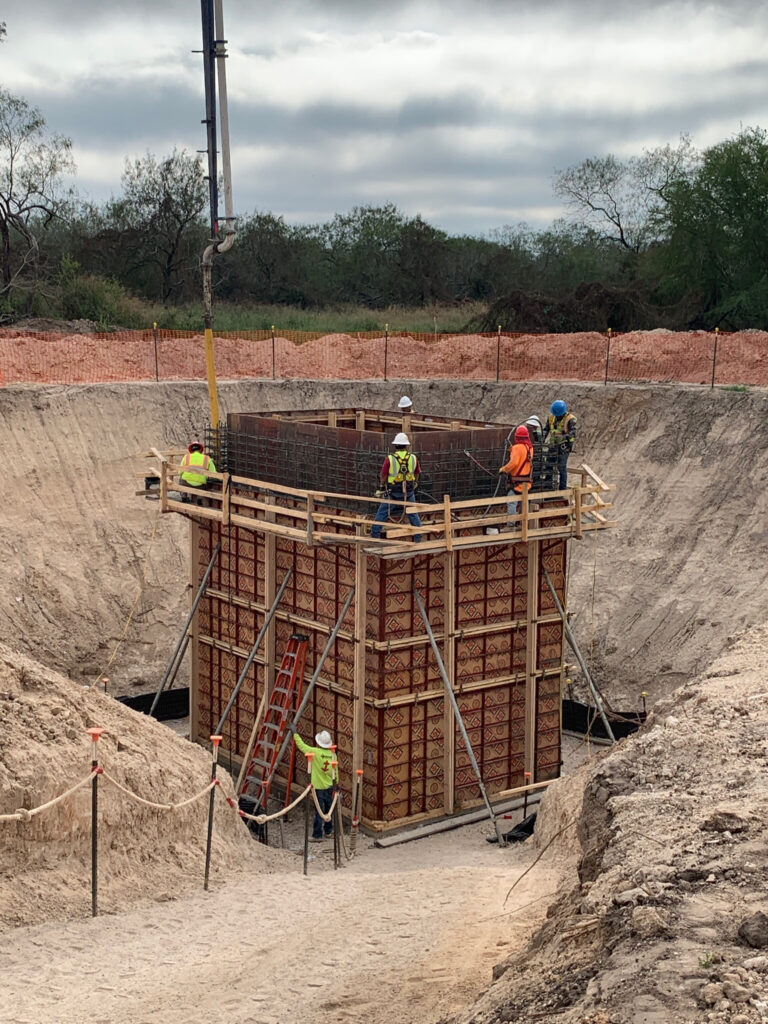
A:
(459, 111)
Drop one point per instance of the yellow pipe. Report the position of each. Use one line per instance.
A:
(210, 370)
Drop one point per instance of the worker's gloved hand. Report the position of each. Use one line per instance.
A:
(378, 493)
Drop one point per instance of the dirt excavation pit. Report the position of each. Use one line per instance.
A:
(645, 909)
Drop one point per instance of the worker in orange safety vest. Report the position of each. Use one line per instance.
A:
(518, 467)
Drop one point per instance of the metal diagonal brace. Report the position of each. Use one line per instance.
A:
(580, 658)
(184, 639)
(254, 649)
(457, 713)
(315, 676)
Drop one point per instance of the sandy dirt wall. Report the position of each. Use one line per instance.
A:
(666, 921)
(686, 567)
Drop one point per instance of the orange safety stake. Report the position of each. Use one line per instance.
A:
(215, 741)
(95, 733)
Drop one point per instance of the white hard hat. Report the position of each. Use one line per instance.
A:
(401, 439)
(534, 421)
(323, 739)
(404, 403)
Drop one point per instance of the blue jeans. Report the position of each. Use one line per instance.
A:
(325, 799)
(383, 513)
(562, 465)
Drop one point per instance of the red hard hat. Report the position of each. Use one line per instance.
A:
(195, 447)
(521, 434)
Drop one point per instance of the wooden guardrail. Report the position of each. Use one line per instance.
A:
(325, 517)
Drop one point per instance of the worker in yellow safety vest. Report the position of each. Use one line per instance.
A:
(325, 776)
(560, 434)
(399, 478)
(195, 457)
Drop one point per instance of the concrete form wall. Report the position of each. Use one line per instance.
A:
(409, 769)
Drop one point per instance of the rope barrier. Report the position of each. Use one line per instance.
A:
(262, 819)
(325, 817)
(26, 814)
(151, 803)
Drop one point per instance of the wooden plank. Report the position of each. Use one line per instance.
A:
(158, 455)
(447, 522)
(577, 512)
(194, 631)
(310, 508)
(226, 500)
(418, 697)
(524, 514)
(360, 419)
(331, 417)
(164, 487)
(361, 614)
(531, 633)
(281, 615)
(270, 590)
(449, 659)
(598, 480)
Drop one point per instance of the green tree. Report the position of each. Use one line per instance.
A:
(33, 192)
(159, 219)
(716, 223)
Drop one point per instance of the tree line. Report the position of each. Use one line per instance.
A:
(671, 237)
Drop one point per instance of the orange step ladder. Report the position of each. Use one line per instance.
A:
(283, 703)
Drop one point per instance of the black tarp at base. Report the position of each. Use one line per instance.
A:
(172, 704)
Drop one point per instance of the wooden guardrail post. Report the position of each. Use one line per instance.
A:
(577, 512)
(524, 510)
(448, 522)
(226, 501)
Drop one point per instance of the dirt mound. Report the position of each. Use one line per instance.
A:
(144, 853)
(665, 921)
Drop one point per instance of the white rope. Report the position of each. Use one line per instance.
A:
(151, 803)
(262, 819)
(26, 814)
(326, 817)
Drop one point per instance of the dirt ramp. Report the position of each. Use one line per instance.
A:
(145, 854)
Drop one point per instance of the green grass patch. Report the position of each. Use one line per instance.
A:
(343, 319)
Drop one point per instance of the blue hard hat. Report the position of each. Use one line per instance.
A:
(559, 408)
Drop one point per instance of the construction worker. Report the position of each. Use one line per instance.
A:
(560, 433)
(324, 778)
(195, 457)
(535, 429)
(399, 478)
(405, 405)
(518, 467)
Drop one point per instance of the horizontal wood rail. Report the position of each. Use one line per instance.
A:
(316, 518)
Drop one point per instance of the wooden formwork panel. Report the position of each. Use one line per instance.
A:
(403, 749)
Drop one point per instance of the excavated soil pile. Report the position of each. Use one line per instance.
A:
(661, 355)
(144, 853)
(665, 921)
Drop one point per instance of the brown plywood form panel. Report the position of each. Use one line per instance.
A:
(404, 718)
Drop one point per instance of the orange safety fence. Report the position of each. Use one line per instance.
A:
(695, 357)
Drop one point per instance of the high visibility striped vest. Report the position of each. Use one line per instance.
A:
(196, 459)
(402, 466)
(559, 429)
